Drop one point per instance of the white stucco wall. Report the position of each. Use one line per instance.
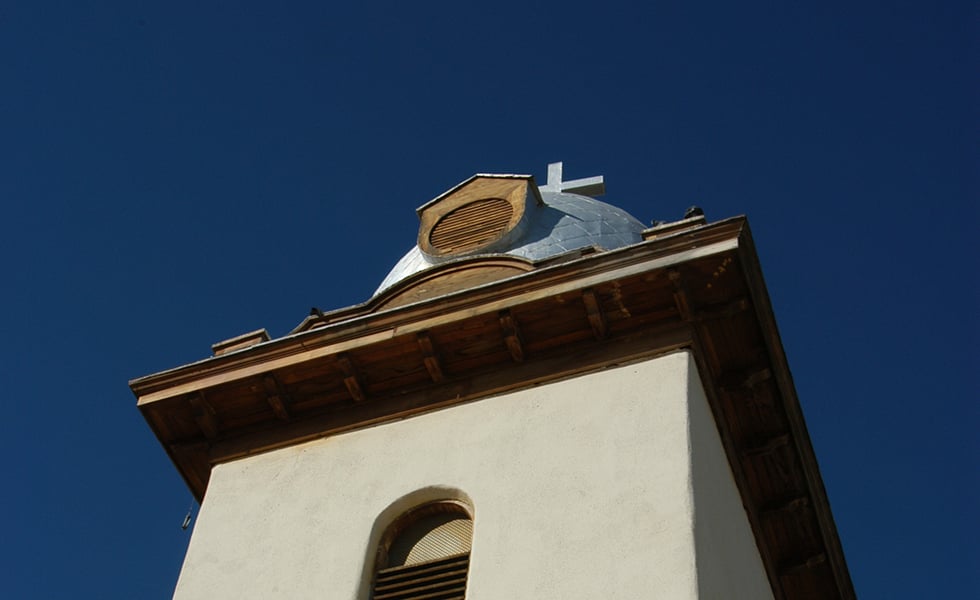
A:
(582, 489)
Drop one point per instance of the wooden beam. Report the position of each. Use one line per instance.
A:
(757, 377)
(276, 397)
(430, 357)
(744, 379)
(351, 379)
(793, 567)
(204, 415)
(680, 296)
(512, 336)
(195, 466)
(597, 319)
(724, 311)
(791, 504)
(766, 447)
(702, 333)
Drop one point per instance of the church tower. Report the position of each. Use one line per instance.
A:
(545, 399)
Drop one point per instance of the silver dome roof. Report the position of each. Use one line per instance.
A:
(565, 222)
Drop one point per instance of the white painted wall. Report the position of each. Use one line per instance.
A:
(581, 489)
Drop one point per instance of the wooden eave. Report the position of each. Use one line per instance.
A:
(699, 289)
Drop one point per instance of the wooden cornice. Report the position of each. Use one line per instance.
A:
(698, 287)
(779, 366)
(361, 325)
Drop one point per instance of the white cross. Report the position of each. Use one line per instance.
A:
(590, 186)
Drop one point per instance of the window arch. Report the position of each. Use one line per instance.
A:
(425, 553)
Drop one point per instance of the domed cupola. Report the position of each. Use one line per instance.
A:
(490, 227)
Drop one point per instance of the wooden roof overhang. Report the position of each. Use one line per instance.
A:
(698, 287)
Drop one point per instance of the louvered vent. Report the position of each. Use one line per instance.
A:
(443, 579)
(472, 225)
(428, 558)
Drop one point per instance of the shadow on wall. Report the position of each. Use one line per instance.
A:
(728, 561)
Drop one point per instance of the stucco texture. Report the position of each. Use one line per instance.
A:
(585, 488)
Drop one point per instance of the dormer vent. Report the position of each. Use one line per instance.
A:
(472, 225)
(477, 216)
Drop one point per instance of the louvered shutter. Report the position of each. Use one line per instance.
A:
(427, 560)
(472, 225)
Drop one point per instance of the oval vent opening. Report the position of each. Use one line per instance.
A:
(472, 225)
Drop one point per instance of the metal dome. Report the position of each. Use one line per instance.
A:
(564, 222)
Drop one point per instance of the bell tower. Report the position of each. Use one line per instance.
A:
(545, 398)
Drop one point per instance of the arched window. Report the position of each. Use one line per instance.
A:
(425, 553)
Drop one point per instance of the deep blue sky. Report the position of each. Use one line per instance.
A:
(177, 173)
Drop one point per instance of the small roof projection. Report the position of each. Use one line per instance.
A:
(560, 222)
